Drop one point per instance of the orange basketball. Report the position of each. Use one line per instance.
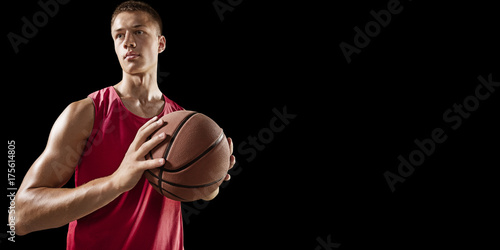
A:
(196, 154)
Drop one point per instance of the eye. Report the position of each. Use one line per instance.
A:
(118, 36)
(139, 32)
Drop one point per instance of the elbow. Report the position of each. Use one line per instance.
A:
(20, 233)
(21, 226)
(17, 225)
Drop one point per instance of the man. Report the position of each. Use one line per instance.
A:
(112, 205)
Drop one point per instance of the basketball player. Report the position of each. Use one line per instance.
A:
(103, 139)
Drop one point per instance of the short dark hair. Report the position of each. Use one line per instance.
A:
(137, 6)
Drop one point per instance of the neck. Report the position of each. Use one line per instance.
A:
(142, 87)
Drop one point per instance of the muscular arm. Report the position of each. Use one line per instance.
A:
(41, 203)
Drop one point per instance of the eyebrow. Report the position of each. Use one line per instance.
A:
(135, 27)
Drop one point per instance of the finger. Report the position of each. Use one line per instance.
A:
(150, 164)
(148, 123)
(150, 128)
(230, 141)
(150, 144)
(232, 161)
(145, 131)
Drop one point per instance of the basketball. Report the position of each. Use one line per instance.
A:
(196, 154)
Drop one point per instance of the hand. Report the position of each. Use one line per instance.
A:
(232, 161)
(134, 163)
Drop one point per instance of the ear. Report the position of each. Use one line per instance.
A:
(162, 44)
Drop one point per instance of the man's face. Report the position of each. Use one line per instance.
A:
(137, 41)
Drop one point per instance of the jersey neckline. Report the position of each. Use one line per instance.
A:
(132, 113)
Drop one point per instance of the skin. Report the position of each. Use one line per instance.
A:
(41, 203)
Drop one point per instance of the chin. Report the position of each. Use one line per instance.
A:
(133, 69)
(137, 68)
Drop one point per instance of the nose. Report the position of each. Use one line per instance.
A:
(129, 41)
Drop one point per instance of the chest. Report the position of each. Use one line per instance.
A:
(143, 109)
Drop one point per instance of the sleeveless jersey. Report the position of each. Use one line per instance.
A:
(138, 219)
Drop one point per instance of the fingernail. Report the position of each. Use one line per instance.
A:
(161, 135)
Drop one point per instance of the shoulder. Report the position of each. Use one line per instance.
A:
(103, 97)
(81, 107)
(77, 118)
(171, 106)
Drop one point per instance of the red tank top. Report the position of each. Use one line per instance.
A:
(138, 219)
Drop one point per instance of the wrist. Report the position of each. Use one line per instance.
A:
(116, 185)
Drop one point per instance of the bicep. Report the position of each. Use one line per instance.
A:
(66, 142)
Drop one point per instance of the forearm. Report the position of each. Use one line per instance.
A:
(41, 203)
(43, 208)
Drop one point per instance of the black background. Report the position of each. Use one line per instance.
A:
(322, 177)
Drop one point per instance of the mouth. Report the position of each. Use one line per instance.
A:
(131, 55)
